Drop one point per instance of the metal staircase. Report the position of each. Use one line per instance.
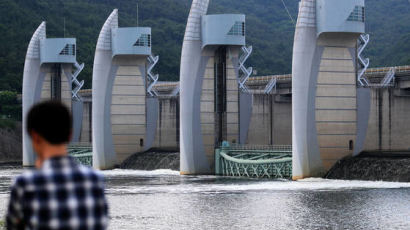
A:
(152, 79)
(245, 73)
(77, 84)
(271, 85)
(389, 78)
(175, 91)
(362, 62)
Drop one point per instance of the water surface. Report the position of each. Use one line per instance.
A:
(164, 200)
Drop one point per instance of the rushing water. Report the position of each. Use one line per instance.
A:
(164, 200)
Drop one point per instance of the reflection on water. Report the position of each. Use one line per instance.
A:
(164, 200)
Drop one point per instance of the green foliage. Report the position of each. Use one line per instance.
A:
(9, 106)
(2, 225)
(269, 30)
(7, 123)
(8, 97)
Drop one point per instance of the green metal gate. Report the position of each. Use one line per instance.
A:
(254, 161)
(83, 153)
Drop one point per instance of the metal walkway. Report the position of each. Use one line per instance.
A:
(83, 153)
(254, 161)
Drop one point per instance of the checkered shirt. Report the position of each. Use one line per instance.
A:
(60, 195)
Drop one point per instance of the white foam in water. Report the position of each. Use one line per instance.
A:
(222, 186)
(11, 172)
(242, 185)
(129, 172)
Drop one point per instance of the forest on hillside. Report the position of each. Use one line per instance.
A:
(269, 30)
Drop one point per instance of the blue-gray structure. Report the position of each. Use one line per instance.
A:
(50, 72)
(209, 76)
(329, 118)
(124, 108)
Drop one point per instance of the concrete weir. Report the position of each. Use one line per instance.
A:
(209, 98)
(124, 114)
(384, 112)
(50, 72)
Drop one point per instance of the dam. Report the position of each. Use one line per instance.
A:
(340, 108)
(270, 120)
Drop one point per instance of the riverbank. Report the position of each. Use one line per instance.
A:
(11, 150)
(373, 166)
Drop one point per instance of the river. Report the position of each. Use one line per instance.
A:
(163, 199)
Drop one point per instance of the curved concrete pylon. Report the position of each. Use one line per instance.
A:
(329, 115)
(306, 156)
(103, 76)
(192, 157)
(32, 82)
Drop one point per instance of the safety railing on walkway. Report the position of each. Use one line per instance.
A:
(254, 161)
(82, 152)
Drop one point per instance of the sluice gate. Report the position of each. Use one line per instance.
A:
(82, 153)
(273, 161)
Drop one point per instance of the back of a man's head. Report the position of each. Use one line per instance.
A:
(51, 120)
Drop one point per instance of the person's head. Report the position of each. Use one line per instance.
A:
(49, 125)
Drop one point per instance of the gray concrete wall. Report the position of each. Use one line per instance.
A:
(85, 135)
(335, 100)
(128, 108)
(65, 86)
(388, 126)
(389, 121)
(271, 121)
(167, 132)
(208, 115)
(207, 109)
(260, 128)
(282, 122)
(232, 98)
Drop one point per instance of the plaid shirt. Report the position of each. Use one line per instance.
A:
(61, 195)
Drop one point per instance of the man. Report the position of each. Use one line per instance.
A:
(59, 194)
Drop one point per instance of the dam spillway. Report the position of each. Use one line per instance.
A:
(270, 122)
(339, 109)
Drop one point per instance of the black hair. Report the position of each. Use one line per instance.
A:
(51, 120)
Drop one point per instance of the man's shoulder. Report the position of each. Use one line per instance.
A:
(26, 178)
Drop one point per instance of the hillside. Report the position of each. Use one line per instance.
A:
(269, 30)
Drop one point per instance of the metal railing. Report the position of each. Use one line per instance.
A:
(258, 79)
(271, 85)
(254, 161)
(384, 70)
(370, 73)
(167, 89)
